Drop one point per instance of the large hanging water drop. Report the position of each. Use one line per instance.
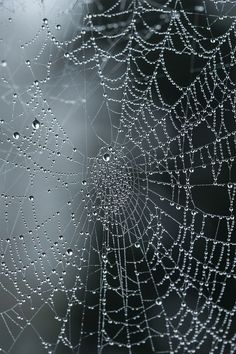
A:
(16, 135)
(36, 124)
(69, 252)
(106, 157)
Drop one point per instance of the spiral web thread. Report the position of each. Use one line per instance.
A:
(121, 245)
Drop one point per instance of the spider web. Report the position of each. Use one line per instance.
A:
(118, 177)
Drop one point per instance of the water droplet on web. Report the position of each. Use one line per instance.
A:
(16, 135)
(84, 183)
(69, 252)
(3, 63)
(158, 302)
(58, 27)
(199, 8)
(36, 124)
(106, 157)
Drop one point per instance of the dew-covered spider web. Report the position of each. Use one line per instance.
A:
(118, 176)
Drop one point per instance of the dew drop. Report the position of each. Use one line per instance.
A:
(36, 124)
(69, 252)
(158, 302)
(16, 135)
(106, 157)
